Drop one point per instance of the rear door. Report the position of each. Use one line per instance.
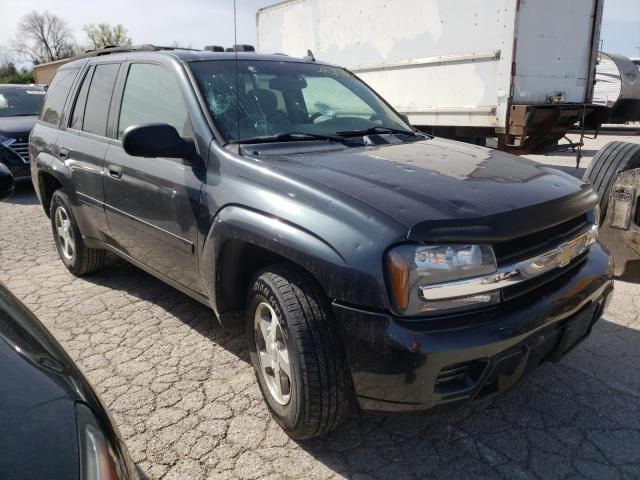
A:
(554, 48)
(152, 203)
(84, 144)
(43, 149)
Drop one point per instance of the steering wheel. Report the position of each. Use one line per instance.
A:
(315, 116)
(324, 110)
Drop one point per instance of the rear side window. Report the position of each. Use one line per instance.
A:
(151, 95)
(78, 110)
(99, 98)
(57, 95)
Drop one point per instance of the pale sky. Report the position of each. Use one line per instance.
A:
(210, 22)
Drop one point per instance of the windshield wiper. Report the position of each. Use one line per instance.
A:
(377, 129)
(292, 137)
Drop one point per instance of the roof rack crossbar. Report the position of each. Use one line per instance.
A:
(129, 48)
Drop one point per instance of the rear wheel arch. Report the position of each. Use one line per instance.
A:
(47, 184)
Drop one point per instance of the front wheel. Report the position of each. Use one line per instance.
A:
(296, 352)
(74, 253)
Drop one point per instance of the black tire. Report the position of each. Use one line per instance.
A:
(83, 260)
(320, 384)
(613, 158)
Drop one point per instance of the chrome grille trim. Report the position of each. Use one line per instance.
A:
(21, 149)
(510, 275)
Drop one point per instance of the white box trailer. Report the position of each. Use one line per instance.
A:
(519, 70)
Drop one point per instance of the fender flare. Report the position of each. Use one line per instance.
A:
(50, 165)
(241, 225)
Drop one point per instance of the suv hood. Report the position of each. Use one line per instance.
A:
(16, 125)
(433, 184)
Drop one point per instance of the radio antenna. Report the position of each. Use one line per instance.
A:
(235, 49)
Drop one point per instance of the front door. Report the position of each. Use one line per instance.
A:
(152, 203)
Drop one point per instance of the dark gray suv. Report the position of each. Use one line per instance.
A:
(369, 262)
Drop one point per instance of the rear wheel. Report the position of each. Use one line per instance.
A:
(74, 253)
(296, 352)
(613, 158)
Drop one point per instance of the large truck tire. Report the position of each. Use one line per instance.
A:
(613, 158)
(615, 175)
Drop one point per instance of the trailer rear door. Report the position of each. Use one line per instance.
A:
(554, 50)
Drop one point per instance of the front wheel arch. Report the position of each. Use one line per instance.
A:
(351, 281)
(238, 263)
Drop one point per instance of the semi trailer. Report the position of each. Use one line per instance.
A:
(519, 71)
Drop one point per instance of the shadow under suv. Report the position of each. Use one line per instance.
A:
(368, 261)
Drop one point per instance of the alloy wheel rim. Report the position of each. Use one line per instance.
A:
(272, 353)
(64, 232)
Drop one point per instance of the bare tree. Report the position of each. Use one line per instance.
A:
(7, 56)
(44, 37)
(104, 35)
(7, 62)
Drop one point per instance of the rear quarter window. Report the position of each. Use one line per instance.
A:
(57, 95)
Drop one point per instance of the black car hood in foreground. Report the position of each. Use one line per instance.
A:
(442, 189)
(16, 125)
(39, 388)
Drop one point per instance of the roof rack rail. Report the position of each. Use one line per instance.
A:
(128, 48)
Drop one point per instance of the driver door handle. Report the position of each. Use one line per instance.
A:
(115, 171)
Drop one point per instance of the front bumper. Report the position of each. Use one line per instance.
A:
(17, 165)
(417, 364)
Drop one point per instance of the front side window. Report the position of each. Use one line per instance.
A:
(151, 95)
(274, 98)
(57, 95)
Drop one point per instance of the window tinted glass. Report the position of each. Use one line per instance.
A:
(20, 102)
(57, 94)
(151, 95)
(99, 99)
(78, 110)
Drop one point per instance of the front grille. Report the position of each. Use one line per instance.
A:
(553, 278)
(21, 149)
(526, 246)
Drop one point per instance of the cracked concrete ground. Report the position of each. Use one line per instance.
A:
(185, 398)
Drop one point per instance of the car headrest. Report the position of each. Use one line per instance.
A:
(266, 99)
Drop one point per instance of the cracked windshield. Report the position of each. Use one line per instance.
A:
(278, 98)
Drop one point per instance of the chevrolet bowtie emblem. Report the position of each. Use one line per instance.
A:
(569, 250)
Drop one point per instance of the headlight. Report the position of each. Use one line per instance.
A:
(98, 458)
(410, 266)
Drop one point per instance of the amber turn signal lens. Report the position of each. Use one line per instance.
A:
(399, 275)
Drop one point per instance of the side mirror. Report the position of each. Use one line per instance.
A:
(405, 118)
(6, 182)
(156, 140)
